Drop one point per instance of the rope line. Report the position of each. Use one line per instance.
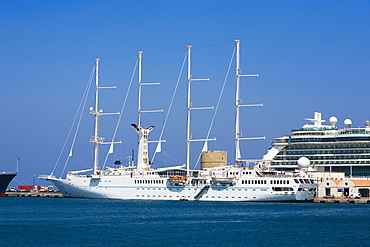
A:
(218, 104)
(80, 108)
(170, 107)
(121, 112)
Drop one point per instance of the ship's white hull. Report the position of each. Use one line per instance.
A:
(114, 187)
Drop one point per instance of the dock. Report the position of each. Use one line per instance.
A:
(33, 194)
(365, 200)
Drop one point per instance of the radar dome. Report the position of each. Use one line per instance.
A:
(348, 122)
(303, 163)
(333, 120)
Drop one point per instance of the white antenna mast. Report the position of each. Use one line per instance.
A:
(238, 104)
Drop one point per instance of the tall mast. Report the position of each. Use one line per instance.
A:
(188, 116)
(142, 153)
(97, 113)
(238, 104)
(188, 130)
(140, 56)
(96, 120)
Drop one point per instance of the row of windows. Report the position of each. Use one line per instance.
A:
(337, 162)
(246, 173)
(170, 196)
(357, 171)
(325, 151)
(265, 181)
(173, 189)
(237, 173)
(149, 181)
(359, 138)
(331, 157)
(304, 181)
(254, 181)
(334, 146)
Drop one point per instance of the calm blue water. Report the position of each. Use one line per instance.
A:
(85, 222)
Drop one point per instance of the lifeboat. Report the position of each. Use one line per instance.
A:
(177, 180)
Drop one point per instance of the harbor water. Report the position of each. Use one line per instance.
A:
(91, 222)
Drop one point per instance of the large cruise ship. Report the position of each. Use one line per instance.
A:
(328, 147)
(212, 183)
(5, 179)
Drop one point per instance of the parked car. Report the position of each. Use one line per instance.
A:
(355, 196)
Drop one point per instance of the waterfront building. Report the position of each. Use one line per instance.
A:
(344, 188)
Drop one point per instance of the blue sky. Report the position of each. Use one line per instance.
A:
(310, 55)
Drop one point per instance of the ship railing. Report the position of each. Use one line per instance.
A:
(315, 128)
(279, 176)
(45, 176)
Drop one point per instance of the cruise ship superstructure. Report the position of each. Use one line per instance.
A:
(328, 147)
(218, 183)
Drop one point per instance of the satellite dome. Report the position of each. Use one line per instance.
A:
(303, 163)
(348, 122)
(333, 120)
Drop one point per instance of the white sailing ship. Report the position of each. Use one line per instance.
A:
(221, 183)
